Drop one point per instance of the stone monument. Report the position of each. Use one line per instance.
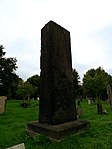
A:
(57, 109)
(2, 103)
(19, 146)
(109, 93)
(57, 104)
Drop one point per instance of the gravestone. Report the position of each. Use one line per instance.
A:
(19, 146)
(109, 93)
(99, 108)
(79, 109)
(2, 103)
(57, 109)
(89, 101)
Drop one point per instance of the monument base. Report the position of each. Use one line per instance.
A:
(57, 132)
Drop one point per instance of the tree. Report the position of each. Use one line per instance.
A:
(95, 83)
(24, 91)
(8, 77)
(76, 86)
(35, 82)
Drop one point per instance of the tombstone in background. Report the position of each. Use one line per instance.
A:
(79, 109)
(89, 101)
(57, 109)
(99, 108)
(109, 93)
(2, 103)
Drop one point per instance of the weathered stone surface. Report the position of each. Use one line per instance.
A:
(57, 109)
(57, 104)
(57, 132)
(2, 103)
(19, 146)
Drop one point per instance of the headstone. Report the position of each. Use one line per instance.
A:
(79, 109)
(2, 103)
(19, 146)
(99, 108)
(109, 93)
(79, 112)
(57, 109)
(89, 101)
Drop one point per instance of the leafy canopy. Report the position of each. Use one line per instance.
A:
(8, 77)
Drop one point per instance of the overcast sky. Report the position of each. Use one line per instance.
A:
(89, 23)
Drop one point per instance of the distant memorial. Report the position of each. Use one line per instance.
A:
(109, 93)
(57, 109)
(2, 103)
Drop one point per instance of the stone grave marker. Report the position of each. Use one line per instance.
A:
(89, 101)
(79, 109)
(2, 103)
(99, 108)
(57, 108)
(19, 146)
(109, 93)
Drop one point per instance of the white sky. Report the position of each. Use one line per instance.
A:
(89, 23)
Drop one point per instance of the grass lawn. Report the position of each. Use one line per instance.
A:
(13, 124)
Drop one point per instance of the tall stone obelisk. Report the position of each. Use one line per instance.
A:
(57, 104)
(57, 109)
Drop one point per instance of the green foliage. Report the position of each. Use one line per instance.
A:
(13, 129)
(8, 77)
(13, 123)
(41, 140)
(24, 91)
(75, 78)
(95, 83)
(35, 82)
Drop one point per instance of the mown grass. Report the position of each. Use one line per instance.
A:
(13, 129)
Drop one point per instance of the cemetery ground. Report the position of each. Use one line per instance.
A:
(14, 120)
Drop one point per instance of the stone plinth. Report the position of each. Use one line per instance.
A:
(57, 132)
